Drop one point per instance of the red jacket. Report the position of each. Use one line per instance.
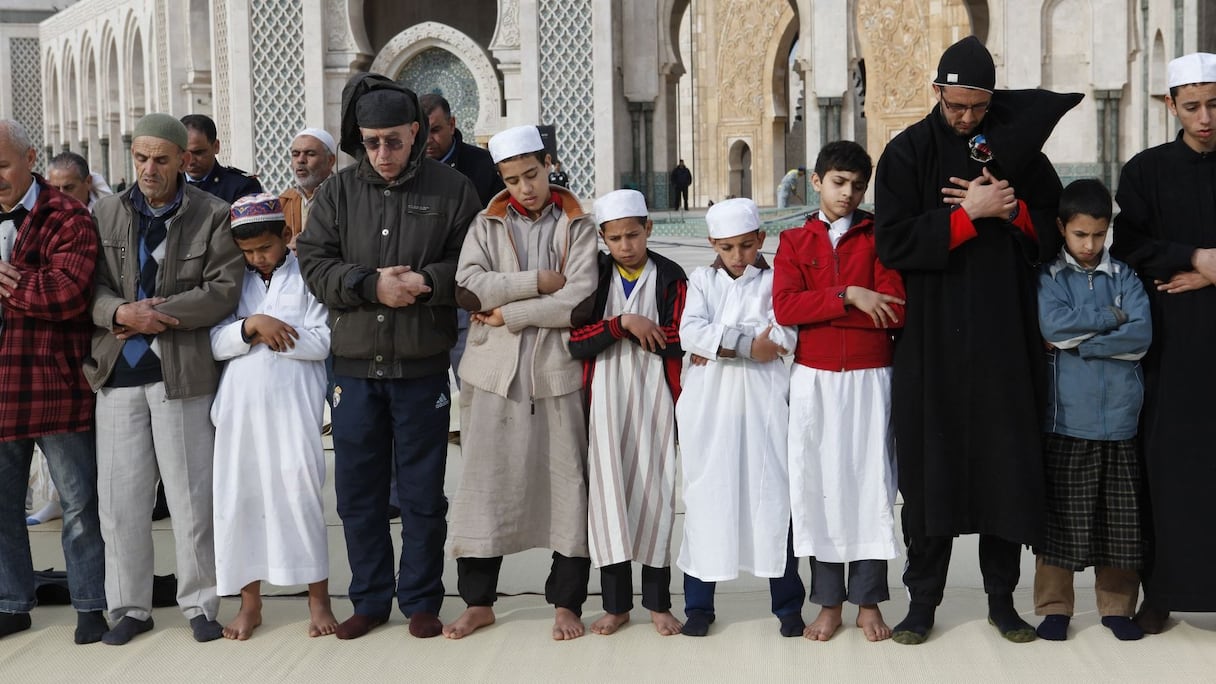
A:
(47, 326)
(809, 280)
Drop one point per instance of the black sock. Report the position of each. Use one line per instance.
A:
(125, 630)
(90, 626)
(205, 630)
(1054, 628)
(1005, 618)
(1123, 627)
(915, 628)
(791, 625)
(11, 623)
(697, 624)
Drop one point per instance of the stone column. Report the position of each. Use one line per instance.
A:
(648, 126)
(104, 142)
(635, 130)
(1107, 102)
(84, 150)
(829, 119)
(126, 154)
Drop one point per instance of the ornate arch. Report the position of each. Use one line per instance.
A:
(430, 34)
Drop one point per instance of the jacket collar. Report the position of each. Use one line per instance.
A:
(1066, 261)
(565, 200)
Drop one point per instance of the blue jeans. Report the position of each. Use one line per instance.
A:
(73, 464)
(385, 427)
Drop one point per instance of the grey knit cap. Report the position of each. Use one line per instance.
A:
(162, 126)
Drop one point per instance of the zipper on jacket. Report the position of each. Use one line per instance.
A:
(1090, 275)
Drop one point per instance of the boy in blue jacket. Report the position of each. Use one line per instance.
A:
(1094, 316)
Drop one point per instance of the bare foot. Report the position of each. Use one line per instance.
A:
(247, 620)
(665, 623)
(321, 620)
(825, 624)
(869, 619)
(609, 623)
(567, 625)
(472, 619)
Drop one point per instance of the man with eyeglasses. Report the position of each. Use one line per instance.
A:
(965, 203)
(380, 250)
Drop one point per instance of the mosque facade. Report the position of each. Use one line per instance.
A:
(742, 90)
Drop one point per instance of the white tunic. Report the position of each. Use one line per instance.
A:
(733, 419)
(842, 464)
(269, 461)
(632, 456)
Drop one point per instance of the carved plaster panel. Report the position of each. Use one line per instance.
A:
(506, 34)
(743, 26)
(421, 37)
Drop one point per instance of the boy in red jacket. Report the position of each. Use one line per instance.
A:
(828, 281)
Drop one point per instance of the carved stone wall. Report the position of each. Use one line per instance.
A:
(901, 41)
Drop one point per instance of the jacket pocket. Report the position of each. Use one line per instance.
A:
(189, 265)
(353, 333)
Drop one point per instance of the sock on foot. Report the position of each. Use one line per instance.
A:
(425, 625)
(357, 625)
(697, 624)
(125, 630)
(1054, 628)
(792, 625)
(1123, 627)
(11, 623)
(1003, 616)
(914, 629)
(90, 626)
(205, 630)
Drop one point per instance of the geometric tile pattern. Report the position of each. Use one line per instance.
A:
(277, 41)
(223, 101)
(438, 71)
(567, 86)
(26, 82)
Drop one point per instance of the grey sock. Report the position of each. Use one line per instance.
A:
(11, 623)
(90, 626)
(126, 629)
(204, 629)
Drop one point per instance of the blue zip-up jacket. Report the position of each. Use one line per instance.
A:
(1099, 323)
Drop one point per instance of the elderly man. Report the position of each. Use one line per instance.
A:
(204, 171)
(966, 204)
(69, 173)
(380, 251)
(313, 154)
(169, 271)
(48, 255)
(1166, 230)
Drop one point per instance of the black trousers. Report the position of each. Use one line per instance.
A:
(617, 583)
(929, 561)
(566, 587)
(682, 194)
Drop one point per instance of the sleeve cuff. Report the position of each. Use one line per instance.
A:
(961, 227)
(1022, 221)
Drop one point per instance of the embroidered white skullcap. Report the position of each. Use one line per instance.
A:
(732, 217)
(1197, 67)
(322, 135)
(620, 204)
(514, 142)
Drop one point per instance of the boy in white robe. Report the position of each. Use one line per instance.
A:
(269, 461)
(842, 470)
(632, 360)
(732, 418)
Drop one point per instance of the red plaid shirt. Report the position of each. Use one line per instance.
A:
(47, 327)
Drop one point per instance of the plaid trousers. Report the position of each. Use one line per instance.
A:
(1093, 509)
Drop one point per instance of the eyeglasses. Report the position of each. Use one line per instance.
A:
(956, 108)
(392, 144)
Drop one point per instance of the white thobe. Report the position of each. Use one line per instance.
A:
(269, 461)
(733, 418)
(631, 461)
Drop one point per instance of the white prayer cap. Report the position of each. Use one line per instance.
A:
(322, 135)
(732, 217)
(514, 142)
(1197, 67)
(620, 204)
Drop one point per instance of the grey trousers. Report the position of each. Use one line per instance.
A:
(867, 582)
(141, 436)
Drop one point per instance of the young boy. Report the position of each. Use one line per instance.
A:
(827, 280)
(732, 417)
(527, 263)
(269, 461)
(1094, 314)
(632, 359)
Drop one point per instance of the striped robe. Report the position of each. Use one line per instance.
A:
(632, 456)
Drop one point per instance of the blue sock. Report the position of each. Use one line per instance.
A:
(1123, 627)
(1054, 628)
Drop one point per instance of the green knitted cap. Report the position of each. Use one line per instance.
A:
(162, 126)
